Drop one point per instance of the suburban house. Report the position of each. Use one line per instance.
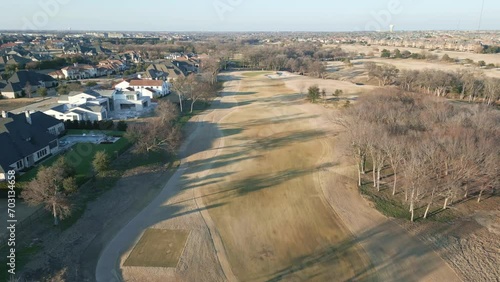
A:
(17, 83)
(129, 57)
(88, 105)
(124, 100)
(14, 59)
(156, 72)
(147, 87)
(90, 98)
(26, 139)
(79, 71)
(82, 112)
(187, 66)
(58, 74)
(111, 66)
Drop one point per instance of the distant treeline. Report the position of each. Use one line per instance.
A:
(491, 49)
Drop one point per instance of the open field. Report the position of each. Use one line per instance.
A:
(256, 73)
(267, 196)
(488, 58)
(269, 209)
(410, 64)
(158, 248)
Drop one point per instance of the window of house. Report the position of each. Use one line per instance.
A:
(41, 153)
(19, 164)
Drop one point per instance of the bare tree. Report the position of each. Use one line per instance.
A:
(47, 189)
(211, 67)
(157, 133)
(27, 89)
(202, 90)
(492, 90)
(183, 86)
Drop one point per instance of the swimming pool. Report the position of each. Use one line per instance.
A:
(95, 139)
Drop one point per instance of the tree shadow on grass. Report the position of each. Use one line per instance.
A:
(395, 255)
(275, 120)
(231, 94)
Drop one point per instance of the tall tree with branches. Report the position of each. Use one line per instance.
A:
(47, 189)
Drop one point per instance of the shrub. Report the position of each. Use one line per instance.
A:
(121, 126)
(101, 162)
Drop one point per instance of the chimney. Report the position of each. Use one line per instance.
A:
(28, 117)
(4, 114)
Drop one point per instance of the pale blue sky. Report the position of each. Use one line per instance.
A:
(249, 15)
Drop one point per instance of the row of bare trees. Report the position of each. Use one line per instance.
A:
(423, 148)
(465, 83)
(303, 58)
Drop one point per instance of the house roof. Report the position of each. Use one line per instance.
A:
(60, 108)
(106, 93)
(43, 120)
(19, 139)
(20, 78)
(88, 92)
(146, 83)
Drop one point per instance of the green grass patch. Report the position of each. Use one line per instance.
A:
(185, 116)
(82, 154)
(23, 256)
(256, 73)
(158, 248)
(388, 206)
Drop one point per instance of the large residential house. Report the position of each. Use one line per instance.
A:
(187, 66)
(82, 112)
(129, 57)
(149, 88)
(80, 106)
(78, 71)
(26, 139)
(14, 59)
(167, 72)
(127, 100)
(17, 83)
(114, 66)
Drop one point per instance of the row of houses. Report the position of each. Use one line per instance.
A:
(23, 81)
(85, 71)
(26, 139)
(96, 105)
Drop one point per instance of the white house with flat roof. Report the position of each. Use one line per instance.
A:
(127, 100)
(147, 87)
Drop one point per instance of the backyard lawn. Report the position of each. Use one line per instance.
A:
(82, 154)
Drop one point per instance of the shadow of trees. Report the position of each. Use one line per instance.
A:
(393, 257)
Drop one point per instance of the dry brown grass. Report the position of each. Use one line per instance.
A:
(12, 104)
(269, 209)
